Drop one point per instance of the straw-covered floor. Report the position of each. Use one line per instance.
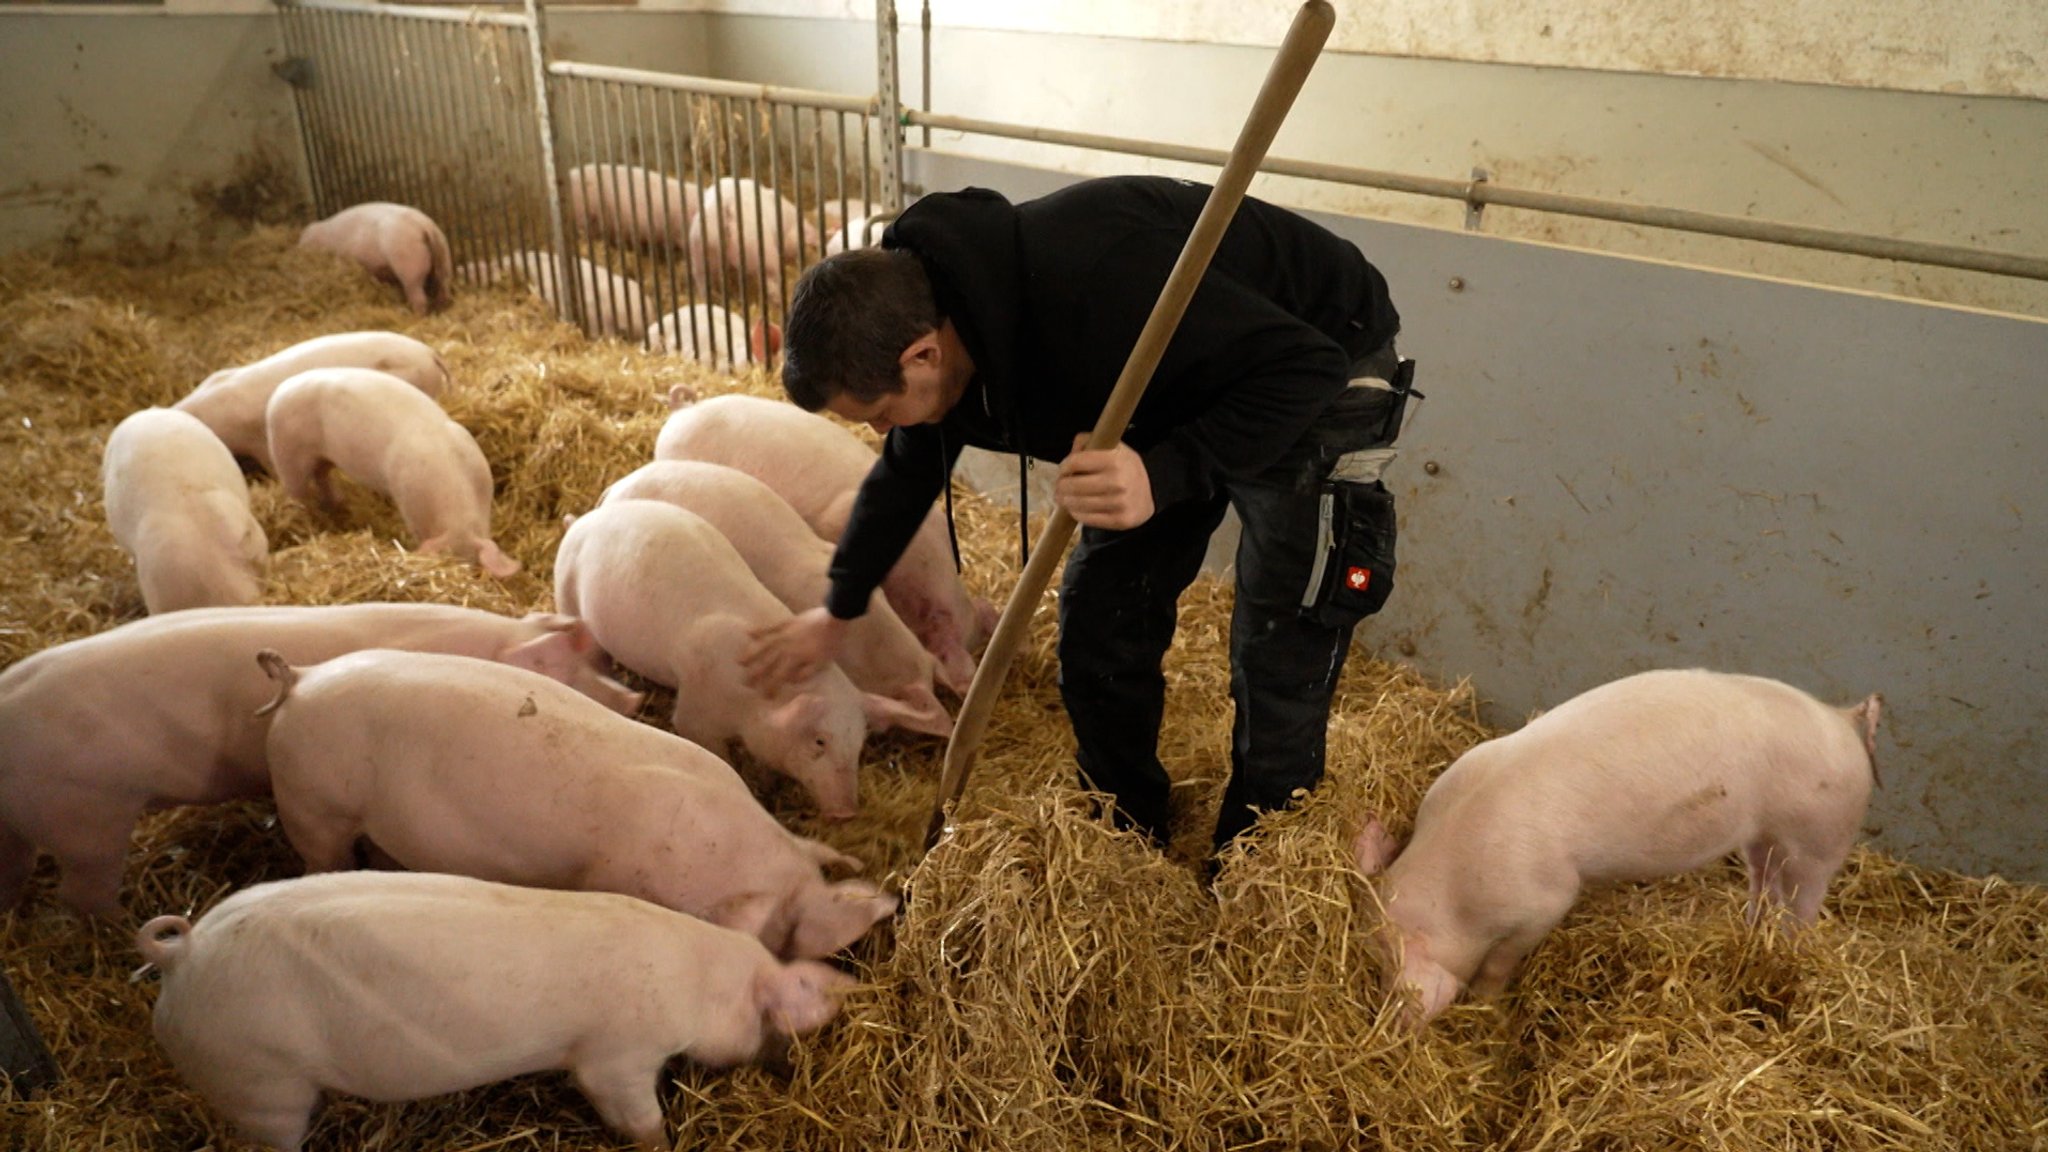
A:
(1049, 984)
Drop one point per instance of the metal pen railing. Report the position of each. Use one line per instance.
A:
(1476, 194)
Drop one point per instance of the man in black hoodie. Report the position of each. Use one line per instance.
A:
(1005, 326)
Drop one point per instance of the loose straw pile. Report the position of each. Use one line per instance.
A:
(1051, 983)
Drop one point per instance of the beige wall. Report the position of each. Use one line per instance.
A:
(1980, 47)
(1931, 167)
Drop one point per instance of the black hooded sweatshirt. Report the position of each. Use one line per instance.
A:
(1049, 296)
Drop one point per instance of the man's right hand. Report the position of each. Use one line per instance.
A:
(792, 651)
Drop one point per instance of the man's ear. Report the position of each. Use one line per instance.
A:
(923, 350)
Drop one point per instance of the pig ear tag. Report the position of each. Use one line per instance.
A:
(1356, 578)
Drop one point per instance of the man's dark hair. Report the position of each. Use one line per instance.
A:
(850, 318)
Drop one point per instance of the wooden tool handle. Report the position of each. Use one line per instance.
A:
(1284, 79)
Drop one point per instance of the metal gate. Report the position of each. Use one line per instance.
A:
(676, 209)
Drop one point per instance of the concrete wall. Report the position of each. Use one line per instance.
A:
(1683, 467)
(1944, 168)
(142, 129)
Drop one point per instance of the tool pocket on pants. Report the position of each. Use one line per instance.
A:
(1354, 565)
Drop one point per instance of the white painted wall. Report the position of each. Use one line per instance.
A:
(1939, 168)
(1979, 47)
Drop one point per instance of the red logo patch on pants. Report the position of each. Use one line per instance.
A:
(1356, 578)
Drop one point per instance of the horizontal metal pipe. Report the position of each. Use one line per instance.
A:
(709, 87)
(413, 11)
(1485, 192)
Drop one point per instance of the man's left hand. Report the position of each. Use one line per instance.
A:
(1104, 489)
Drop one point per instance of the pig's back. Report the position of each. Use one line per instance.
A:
(484, 710)
(762, 527)
(808, 460)
(1654, 773)
(162, 457)
(393, 985)
(668, 561)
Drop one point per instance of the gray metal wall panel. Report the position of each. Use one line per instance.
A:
(1646, 465)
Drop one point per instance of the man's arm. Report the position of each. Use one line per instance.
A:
(915, 466)
(1271, 373)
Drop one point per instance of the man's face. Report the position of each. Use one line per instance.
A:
(925, 397)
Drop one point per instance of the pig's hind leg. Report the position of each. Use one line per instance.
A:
(622, 1091)
(274, 1111)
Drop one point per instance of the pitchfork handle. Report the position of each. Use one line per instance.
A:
(1284, 79)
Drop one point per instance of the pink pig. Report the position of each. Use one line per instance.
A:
(818, 466)
(162, 712)
(1650, 776)
(711, 335)
(880, 655)
(396, 986)
(394, 243)
(449, 764)
(611, 302)
(734, 217)
(176, 501)
(667, 595)
(630, 205)
(232, 400)
(388, 436)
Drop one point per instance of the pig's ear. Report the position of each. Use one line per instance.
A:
(802, 996)
(985, 618)
(927, 715)
(1373, 847)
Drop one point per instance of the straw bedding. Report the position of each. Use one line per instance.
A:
(1050, 983)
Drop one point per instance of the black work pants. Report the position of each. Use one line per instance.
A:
(1119, 602)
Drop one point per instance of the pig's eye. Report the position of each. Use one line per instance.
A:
(821, 743)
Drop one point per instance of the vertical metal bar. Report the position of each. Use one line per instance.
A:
(867, 162)
(586, 99)
(892, 104)
(341, 127)
(536, 31)
(668, 166)
(840, 135)
(508, 94)
(728, 238)
(926, 72)
(302, 99)
(652, 197)
(392, 132)
(625, 256)
(441, 181)
(781, 277)
(760, 269)
(691, 273)
(697, 268)
(459, 61)
(818, 178)
(796, 184)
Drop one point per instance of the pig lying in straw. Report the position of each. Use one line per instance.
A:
(232, 400)
(1649, 776)
(396, 987)
(818, 466)
(611, 302)
(177, 503)
(389, 437)
(394, 243)
(449, 764)
(668, 596)
(711, 335)
(162, 712)
(880, 655)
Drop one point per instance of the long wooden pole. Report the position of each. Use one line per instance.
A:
(1290, 70)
